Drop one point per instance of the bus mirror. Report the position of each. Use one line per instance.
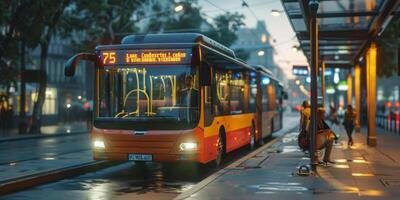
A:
(205, 75)
(70, 65)
(285, 95)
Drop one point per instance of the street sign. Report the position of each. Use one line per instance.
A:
(300, 70)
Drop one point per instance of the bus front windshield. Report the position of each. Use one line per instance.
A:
(156, 95)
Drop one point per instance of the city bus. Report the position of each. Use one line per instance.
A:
(177, 97)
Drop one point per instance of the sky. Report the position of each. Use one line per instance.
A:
(279, 27)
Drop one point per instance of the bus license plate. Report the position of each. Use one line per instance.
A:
(140, 157)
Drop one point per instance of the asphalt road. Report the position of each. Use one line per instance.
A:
(128, 181)
(36, 149)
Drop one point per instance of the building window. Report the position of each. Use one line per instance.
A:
(49, 106)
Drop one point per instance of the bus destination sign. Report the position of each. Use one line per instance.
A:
(158, 56)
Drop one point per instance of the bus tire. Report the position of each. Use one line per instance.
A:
(221, 146)
(252, 143)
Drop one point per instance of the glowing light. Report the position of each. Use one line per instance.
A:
(341, 166)
(362, 174)
(99, 144)
(178, 8)
(266, 81)
(343, 87)
(308, 79)
(359, 161)
(12, 163)
(79, 97)
(260, 53)
(48, 158)
(188, 146)
(68, 105)
(330, 90)
(263, 38)
(328, 73)
(275, 13)
(297, 82)
(295, 49)
(336, 78)
(341, 160)
(371, 193)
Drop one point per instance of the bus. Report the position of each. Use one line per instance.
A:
(177, 97)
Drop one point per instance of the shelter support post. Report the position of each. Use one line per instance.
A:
(349, 88)
(313, 4)
(371, 93)
(323, 81)
(357, 89)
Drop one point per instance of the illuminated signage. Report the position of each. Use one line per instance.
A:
(158, 56)
(300, 70)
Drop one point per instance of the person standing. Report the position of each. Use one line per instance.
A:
(348, 123)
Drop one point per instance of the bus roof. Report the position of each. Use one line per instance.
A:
(177, 38)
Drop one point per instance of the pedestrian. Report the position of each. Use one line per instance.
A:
(333, 115)
(348, 123)
(303, 139)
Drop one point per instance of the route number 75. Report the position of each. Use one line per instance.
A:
(109, 58)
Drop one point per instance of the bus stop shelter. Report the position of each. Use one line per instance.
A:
(342, 34)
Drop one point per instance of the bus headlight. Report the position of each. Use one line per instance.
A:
(99, 144)
(188, 146)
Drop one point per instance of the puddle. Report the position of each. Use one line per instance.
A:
(274, 187)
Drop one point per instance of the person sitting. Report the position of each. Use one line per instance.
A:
(324, 138)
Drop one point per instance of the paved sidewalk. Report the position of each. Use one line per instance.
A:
(360, 172)
(46, 131)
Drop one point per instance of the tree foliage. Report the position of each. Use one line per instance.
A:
(225, 27)
(389, 43)
(101, 22)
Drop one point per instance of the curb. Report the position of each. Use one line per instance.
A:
(199, 186)
(18, 184)
(40, 136)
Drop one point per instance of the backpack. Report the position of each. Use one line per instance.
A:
(303, 140)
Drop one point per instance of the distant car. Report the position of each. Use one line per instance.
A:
(297, 108)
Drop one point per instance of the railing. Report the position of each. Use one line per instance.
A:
(388, 122)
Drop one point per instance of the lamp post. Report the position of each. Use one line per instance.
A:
(313, 5)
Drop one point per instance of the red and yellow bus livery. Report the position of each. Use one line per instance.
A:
(171, 97)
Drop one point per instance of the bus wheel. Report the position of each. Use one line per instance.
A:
(220, 150)
(252, 138)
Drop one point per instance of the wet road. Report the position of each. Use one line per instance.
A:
(128, 181)
(35, 149)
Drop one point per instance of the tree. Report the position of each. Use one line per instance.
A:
(101, 22)
(389, 44)
(225, 27)
(47, 14)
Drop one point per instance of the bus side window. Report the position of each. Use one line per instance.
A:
(236, 93)
(252, 93)
(222, 78)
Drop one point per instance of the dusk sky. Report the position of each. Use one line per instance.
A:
(279, 27)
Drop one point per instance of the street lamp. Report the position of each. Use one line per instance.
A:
(276, 13)
(178, 8)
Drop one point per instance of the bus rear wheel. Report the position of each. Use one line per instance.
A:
(220, 150)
